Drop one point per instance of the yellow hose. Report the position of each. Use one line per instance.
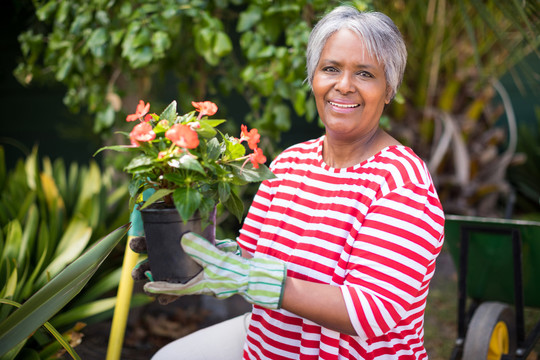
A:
(123, 300)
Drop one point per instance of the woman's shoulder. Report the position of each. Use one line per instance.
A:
(401, 162)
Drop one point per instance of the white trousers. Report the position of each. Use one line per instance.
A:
(224, 341)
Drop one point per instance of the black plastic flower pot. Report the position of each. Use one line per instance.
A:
(163, 229)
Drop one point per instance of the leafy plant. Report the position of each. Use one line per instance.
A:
(19, 326)
(458, 51)
(109, 54)
(181, 158)
(49, 215)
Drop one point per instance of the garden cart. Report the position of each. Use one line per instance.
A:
(498, 263)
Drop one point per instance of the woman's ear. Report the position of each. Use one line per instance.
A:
(388, 96)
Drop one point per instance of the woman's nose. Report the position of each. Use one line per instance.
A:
(344, 83)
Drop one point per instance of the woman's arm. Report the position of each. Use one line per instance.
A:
(320, 303)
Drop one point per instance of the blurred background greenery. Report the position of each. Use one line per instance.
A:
(72, 70)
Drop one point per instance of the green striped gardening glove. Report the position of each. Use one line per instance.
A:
(260, 281)
(229, 246)
(142, 271)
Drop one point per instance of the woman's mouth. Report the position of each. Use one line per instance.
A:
(341, 106)
(344, 106)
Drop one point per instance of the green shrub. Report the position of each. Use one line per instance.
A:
(49, 215)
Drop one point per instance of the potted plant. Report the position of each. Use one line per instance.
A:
(190, 167)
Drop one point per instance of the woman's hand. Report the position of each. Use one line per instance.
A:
(225, 273)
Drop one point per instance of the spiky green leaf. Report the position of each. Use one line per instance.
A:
(57, 293)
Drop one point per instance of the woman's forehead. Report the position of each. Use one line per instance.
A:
(348, 45)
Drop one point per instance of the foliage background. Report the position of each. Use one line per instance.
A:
(248, 56)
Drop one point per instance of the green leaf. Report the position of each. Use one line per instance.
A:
(34, 354)
(158, 195)
(250, 174)
(213, 149)
(266, 52)
(29, 234)
(134, 186)
(224, 190)
(142, 161)
(11, 284)
(300, 102)
(161, 42)
(43, 12)
(222, 44)
(265, 83)
(142, 38)
(13, 240)
(248, 73)
(204, 44)
(105, 284)
(234, 149)
(63, 12)
(175, 178)
(206, 207)
(291, 8)
(104, 119)
(102, 17)
(81, 22)
(235, 206)
(121, 148)
(83, 311)
(29, 285)
(249, 18)
(169, 113)
(212, 122)
(56, 293)
(186, 201)
(311, 109)
(282, 117)
(64, 67)
(206, 130)
(89, 189)
(71, 245)
(189, 163)
(140, 57)
(96, 41)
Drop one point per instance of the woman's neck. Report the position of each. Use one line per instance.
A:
(343, 154)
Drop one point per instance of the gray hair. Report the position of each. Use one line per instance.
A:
(381, 36)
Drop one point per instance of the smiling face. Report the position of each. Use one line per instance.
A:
(350, 88)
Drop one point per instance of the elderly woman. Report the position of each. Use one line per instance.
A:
(339, 249)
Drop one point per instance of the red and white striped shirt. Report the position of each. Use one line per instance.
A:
(374, 230)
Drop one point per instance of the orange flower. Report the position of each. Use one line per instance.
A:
(257, 158)
(149, 117)
(205, 108)
(183, 136)
(252, 137)
(141, 110)
(142, 132)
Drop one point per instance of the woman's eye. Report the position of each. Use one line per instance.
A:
(365, 74)
(329, 69)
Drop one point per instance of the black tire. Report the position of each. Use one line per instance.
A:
(482, 326)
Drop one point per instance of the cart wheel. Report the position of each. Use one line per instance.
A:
(491, 332)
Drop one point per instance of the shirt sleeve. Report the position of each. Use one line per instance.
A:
(392, 258)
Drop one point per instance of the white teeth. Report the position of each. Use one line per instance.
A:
(343, 106)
